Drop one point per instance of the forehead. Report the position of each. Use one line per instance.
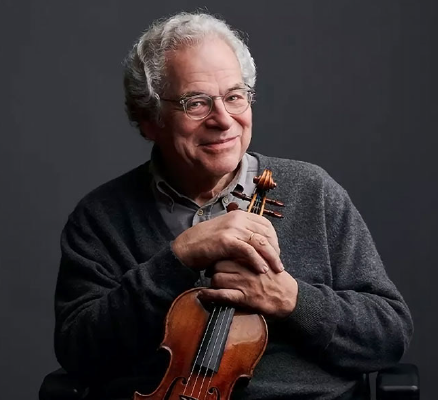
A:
(210, 67)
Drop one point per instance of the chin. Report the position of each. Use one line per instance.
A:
(222, 165)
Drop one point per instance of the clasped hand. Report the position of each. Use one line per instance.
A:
(240, 236)
(242, 252)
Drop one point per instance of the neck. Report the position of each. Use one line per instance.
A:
(200, 189)
(202, 195)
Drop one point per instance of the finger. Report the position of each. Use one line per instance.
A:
(245, 224)
(233, 280)
(232, 248)
(248, 255)
(249, 233)
(265, 249)
(230, 267)
(252, 240)
(229, 297)
(267, 231)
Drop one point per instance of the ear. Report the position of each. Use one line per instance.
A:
(149, 129)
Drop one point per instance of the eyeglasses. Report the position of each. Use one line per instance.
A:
(199, 106)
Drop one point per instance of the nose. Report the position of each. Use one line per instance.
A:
(219, 117)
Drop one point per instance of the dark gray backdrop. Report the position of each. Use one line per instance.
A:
(349, 85)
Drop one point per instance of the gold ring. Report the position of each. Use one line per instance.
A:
(252, 234)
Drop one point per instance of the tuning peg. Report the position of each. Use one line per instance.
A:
(275, 202)
(240, 195)
(272, 213)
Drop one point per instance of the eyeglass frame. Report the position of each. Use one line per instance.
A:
(184, 99)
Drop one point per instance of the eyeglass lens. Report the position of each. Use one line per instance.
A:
(235, 102)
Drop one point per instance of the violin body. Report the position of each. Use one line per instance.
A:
(186, 323)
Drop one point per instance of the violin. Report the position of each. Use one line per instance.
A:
(211, 347)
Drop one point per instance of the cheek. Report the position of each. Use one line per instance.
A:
(184, 127)
(246, 139)
(246, 124)
(246, 119)
(181, 133)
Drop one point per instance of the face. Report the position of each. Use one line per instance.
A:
(213, 146)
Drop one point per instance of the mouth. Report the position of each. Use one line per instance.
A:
(220, 142)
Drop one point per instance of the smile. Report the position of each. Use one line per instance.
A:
(221, 144)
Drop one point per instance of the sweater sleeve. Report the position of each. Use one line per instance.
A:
(110, 308)
(360, 322)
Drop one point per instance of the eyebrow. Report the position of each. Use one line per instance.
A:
(197, 93)
(190, 94)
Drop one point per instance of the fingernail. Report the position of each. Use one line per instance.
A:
(265, 269)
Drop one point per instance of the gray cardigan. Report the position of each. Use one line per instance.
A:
(118, 277)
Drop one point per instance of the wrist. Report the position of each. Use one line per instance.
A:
(289, 300)
(178, 251)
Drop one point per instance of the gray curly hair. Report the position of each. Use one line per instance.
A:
(144, 76)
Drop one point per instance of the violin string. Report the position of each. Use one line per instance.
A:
(224, 334)
(207, 346)
(199, 350)
(257, 205)
(216, 334)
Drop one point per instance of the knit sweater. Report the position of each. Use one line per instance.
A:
(118, 277)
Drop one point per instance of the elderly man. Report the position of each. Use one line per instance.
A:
(134, 244)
